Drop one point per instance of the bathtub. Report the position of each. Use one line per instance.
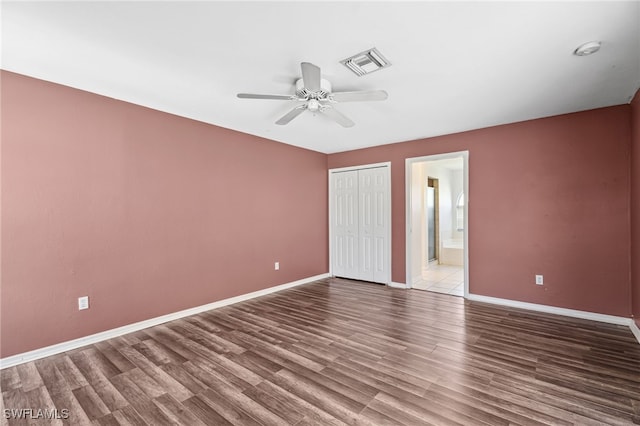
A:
(452, 252)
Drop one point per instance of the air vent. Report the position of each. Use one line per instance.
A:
(366, 62)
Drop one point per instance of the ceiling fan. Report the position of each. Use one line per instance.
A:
(314, 94)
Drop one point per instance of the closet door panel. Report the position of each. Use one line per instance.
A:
(345, 260)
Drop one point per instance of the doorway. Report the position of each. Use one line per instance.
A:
(437, 223)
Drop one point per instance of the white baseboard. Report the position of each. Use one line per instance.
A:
(397, 285)
(130, 328)
(552, 310)
(635, 330)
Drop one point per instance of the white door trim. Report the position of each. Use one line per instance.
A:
(388, 209)
(364, 166)
(465, 187)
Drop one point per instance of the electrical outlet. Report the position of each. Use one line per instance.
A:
(83, 303)
(539, 280)
(277, 266)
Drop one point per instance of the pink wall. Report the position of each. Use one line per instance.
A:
(145, 212)
(548, 196)
(149, 213)
(635, 206)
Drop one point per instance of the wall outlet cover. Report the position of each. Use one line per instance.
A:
(83, 303)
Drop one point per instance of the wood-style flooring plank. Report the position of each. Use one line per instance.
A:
(10, 379)
(130, 417)
(342, 352)
(70, 372)
(102, 385)
(204, 412)
(3, 419)
(15, 399)
(176, 411)
(29, 377)
(108, 420)
(232, 413)
(313, 414)
(140, 401)
(316, 394)
(282, 407)
(91, 403)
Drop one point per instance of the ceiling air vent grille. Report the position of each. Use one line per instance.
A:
(366, 62)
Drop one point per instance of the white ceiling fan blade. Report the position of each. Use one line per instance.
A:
(256, 96)
(365, 95)
(291, 114)
(310, 76)
(337, 116)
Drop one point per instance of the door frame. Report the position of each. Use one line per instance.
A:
(388, 209)
(408, 229)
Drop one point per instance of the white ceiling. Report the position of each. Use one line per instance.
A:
(456, 66)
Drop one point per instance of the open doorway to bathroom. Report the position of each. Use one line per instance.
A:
(437, 223)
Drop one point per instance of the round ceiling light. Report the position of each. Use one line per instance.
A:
(587, 48)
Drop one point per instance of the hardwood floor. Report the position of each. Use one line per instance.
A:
(343, 352)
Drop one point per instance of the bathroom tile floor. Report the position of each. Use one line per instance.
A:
(447, 279)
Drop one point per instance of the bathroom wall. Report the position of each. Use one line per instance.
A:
(457, 186)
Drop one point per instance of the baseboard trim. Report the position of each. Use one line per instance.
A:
(635, 330)
(552, 310)
(130, 328)
(397, 285)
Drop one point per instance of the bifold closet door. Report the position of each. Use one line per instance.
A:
(372, 224)
(360, 224)
(344, 224)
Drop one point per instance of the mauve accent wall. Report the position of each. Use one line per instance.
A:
(144, 212)
(635, 206)
(547, 196)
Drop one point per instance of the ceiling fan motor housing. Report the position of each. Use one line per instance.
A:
(302, 92)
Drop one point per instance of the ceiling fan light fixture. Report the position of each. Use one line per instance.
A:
(587, 49)
(313, 105)
(366, 62)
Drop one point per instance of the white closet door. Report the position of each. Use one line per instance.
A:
(373, 189)
(345, 224)
(360, 224)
